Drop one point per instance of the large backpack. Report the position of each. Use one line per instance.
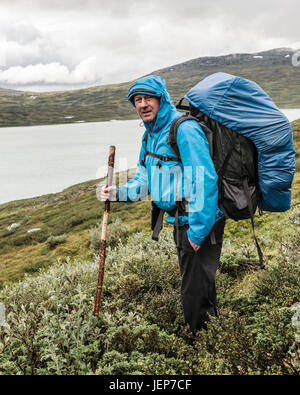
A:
(235, 160)
(250, 142)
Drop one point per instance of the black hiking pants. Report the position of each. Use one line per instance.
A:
(198, 271)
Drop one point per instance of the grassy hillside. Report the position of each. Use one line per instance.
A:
(50, 328)
(273, 70)
(64, 220)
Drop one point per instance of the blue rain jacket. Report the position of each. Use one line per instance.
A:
(241, 105)
(194, 178)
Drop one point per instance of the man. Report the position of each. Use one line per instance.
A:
(170, 182)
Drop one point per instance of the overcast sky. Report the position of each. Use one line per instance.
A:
(51, 44)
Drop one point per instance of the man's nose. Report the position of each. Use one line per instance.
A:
(144, 102)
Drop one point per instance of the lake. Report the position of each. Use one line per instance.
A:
(36, 160)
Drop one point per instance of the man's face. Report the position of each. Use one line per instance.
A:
(146, 106)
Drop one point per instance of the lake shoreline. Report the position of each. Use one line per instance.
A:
(64, 123)
(112, 120)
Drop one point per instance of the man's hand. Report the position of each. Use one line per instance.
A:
(109, 193)
(195, 247)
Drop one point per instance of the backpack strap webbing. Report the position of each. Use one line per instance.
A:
(157, 216)
(250, 206)
(165, 158)
(180, 106)
(158, 225)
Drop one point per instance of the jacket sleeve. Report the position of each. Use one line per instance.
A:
(200, 180)
(136, 188)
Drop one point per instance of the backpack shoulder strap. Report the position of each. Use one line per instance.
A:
(180, 106)
(172, 140)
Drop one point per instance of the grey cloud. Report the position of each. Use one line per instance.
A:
(20, 32)
(131, 38)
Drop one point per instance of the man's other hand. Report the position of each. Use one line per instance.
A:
(195, 247)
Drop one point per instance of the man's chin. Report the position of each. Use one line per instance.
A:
(148, 118)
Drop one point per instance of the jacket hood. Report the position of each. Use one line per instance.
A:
(155, 86)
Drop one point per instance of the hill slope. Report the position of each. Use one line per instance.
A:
(273, 70)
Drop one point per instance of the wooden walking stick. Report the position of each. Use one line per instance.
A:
(111, 163)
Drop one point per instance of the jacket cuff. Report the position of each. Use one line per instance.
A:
(122, 194)
(194, 239)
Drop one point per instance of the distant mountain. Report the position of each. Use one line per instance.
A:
(271, 57)
(272, 70)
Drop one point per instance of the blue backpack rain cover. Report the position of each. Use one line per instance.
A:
(242, 106)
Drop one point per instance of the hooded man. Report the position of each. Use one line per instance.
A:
(186, 188)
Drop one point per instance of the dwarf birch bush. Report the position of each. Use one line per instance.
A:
(50, 327)
(53, 241)
(116, 232)
(237, 259)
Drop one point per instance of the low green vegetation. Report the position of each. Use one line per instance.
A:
(49, 282)
(51, 329)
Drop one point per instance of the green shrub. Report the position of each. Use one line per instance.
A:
(50, 327)
(293, 216)
(238, 259)
(136, 362)
(116, 231)
(33, 267)
(53, 241)
(24, 238)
